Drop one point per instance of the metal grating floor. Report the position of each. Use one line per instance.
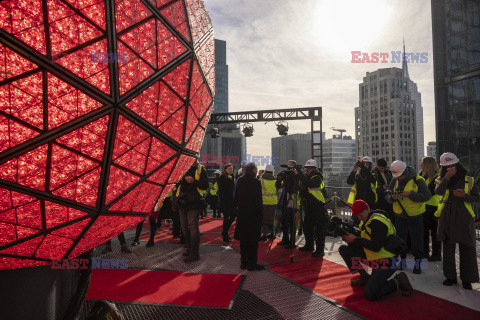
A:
(263, 295)
(246, 306)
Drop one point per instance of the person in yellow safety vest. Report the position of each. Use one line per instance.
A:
(269, 195)
(312, 194)
(409, 194)
(369, 249)
(188, 200)
(363, 182)
(429, 172)
(213, 194)
(456, 221)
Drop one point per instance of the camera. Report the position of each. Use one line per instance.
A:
(389, 193)
(339, 227)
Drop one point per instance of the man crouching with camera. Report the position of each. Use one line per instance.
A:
(370, 249)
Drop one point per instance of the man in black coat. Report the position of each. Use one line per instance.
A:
(188, 199)
(313, 197)
(248, 199)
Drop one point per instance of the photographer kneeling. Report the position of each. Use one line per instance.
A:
(370, 248)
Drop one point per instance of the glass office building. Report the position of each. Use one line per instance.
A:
(456, 59)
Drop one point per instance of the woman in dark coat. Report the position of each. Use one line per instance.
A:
(456, 221)
(225, 198)
(248, 199)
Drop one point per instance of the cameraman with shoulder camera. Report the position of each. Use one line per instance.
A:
(370, 247)
(363, 182)
(313, 197)
(286, 180)
(189, 201)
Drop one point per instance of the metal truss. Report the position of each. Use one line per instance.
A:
(314, 114)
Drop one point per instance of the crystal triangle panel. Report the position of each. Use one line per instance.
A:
(66, 103)
(129, 12)
(28, 169)
(24, 19)
(175, 14)
(103, 229)
(133, 71)
(67, 29)
(89, 63)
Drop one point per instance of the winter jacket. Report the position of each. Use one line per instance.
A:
(249, 203)
(422, 195)
(225, 193)
(188, 191)
(455, 221)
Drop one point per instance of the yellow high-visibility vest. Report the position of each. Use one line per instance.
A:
(197, 178)
(468, 187)
(317, 192)
(214, 189)
(353, 192)
(366, 234)
(412, 208)
(435, 199)
(269, 192)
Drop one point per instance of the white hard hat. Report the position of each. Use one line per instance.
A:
(269, 168)
(397, 168)
(311, 163)
(367, 159)
(217, 172)
(447, 159)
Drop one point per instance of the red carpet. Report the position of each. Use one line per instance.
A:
(159, 287)
(332, 280)
(212, 229)
(277, 254)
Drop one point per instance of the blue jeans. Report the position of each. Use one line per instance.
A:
(191, 232)
(414, 227)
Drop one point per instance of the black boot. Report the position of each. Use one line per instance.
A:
(318, 253)
(404, 284)
(449, 282)
(285, 241)
(307, 247)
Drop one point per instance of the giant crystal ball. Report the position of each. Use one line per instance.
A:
(103, 105)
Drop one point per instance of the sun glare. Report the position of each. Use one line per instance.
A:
(346, 25)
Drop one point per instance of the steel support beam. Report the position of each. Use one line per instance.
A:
(314, 114)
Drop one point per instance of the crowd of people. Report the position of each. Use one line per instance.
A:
(392, 206)
(397, 205)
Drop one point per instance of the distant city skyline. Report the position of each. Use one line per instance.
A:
(286, 55)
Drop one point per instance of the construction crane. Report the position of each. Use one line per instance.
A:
(339, 130)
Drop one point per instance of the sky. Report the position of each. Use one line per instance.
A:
(297, 53)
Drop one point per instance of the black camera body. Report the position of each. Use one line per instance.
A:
(338, 227)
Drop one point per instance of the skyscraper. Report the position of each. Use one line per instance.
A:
(432, 150)
(389, 118)
(231, 144)
(221, 77)
(456, 62)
